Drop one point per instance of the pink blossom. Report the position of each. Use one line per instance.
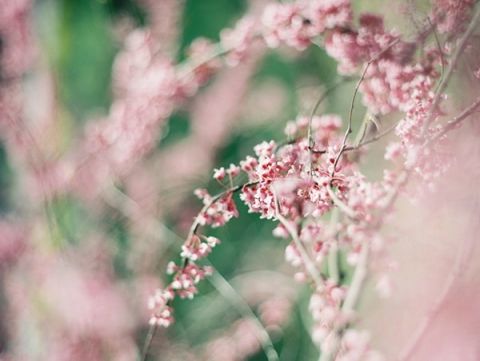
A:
(158, 305)
(238, 41)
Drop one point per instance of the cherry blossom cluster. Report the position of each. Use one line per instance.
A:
(392, 74)
(216, 212)
(183, 285)
(279, 171)
(310, 184)
(184, 281)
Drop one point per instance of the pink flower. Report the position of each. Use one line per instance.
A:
(219, 173)
(238, 41)
(284, 23)
(161, 313)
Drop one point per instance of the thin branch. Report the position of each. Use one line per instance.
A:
(148, 342)
(362, 131)
(451, 68)
(363, 143)
(352, 105)
(340, 204)
(455, 122)
(193, 229)
(440, 49)
(319, 101)
(376, 137)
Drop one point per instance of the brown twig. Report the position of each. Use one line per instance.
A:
(319, 101)
(352, 105)
(362, 144)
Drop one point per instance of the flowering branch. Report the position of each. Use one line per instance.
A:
(297, 184)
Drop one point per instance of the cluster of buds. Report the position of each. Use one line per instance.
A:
(161, 314)
(298, 24)
(195, 249)
(216, 212)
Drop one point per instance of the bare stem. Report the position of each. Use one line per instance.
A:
(320, 100)
(148, 342)
(455, 122)
(357, 281)
(309, 265)
(340, 204)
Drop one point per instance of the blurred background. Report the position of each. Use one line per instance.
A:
(78, 263)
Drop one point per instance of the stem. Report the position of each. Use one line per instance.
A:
(333, 271)
(320, 100)
(454, 122)
(148, 342)
(352, 105)
(309, 265)
(340, 204)
(363, 143)
(351, 300)
(196, 222)
(357, 282)
(227, 291)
